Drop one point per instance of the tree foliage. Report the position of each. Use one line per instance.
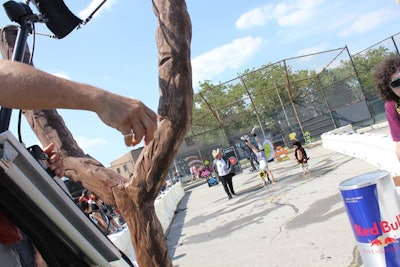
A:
(278, 98)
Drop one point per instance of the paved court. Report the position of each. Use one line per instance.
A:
(300, 221)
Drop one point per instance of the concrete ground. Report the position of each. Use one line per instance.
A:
(300, 221)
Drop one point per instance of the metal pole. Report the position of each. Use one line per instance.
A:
(395, 45)
(360, 83)
(216, 116)
(326, 101)
(280, 100)
(254, 107)
(195, 141)
(291, 98)
(18, 55)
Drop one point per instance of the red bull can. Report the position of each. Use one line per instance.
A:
(373, 207)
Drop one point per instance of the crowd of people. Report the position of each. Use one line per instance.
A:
(258, 153)
(102, 215)
(386, 77)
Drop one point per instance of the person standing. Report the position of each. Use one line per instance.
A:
(301, 156)
(223, 168)
(387, 82)
(101, 214)
(251, 157)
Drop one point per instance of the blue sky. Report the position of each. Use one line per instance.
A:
(116, 50)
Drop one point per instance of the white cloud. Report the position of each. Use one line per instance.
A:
(229, 56)
(368, 22)
(93, 5)
(90, 144)
(256, 17)
(294, 18)
(286, 13)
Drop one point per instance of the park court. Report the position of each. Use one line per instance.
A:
(300, 221)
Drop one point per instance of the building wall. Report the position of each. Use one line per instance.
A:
(125, 164)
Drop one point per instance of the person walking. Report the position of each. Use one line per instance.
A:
(224, 170)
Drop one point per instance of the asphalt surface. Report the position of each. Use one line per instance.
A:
(300, 221)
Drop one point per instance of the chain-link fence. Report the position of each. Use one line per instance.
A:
(306, 96)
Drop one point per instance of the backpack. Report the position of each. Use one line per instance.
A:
(305, 158)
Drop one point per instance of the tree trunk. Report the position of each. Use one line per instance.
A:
(134, 198)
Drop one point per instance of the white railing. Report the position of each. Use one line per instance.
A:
(377, 149)
(165, 205)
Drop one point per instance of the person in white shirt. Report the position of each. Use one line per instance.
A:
(224, 170)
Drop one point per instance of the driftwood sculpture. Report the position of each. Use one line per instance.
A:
(135, 197)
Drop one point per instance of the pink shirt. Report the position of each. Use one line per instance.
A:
(393, 118)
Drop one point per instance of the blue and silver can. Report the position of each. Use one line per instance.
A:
(373, 207)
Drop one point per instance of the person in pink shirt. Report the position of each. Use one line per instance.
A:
(387, 81)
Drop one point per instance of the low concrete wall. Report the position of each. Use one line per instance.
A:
(376, 149)
(165, 206)
(167, 203)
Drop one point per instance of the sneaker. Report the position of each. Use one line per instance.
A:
(229, 197)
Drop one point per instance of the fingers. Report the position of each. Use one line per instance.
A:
(132, 139)
(135, 137)
(49, 149)
(55, 161)
(145, 128)
(131, 117)
(150, 126)
(128, 139)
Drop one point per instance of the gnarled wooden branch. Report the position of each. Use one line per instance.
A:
(175, 111)
(135, 198)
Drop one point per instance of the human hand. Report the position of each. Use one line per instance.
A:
(55, 161)
(129, 116)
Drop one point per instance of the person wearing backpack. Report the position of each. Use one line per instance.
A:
(301, 156)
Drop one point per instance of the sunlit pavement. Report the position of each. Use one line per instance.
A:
(300, 221)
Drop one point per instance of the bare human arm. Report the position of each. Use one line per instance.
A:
(299, 156)
(249, 144)
(398, 150)
(45, 91)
